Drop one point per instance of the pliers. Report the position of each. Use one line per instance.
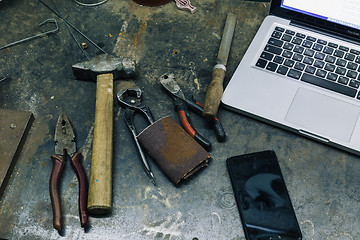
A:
(65, 145)
(131, 100)
(181, 103)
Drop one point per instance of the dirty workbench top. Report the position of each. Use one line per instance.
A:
(36, 76)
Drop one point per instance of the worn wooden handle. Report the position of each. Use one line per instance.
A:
(100, 184)
(214, 93)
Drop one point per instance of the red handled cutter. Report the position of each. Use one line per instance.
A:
(169, 83)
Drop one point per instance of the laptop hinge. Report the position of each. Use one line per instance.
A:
(314, 136)
(325, 32)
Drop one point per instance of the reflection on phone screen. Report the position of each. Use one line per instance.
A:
(262, 198)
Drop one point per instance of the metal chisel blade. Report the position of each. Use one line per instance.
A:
(225, 44)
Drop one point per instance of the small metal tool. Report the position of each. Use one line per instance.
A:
(37, 35)
(185, 5)
(131, 98)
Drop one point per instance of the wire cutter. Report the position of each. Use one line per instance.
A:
(65, 145)
(181, 103)
(131, 99)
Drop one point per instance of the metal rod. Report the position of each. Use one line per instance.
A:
(87, 38)
(35, 36)
(71, 33)
(77, 42)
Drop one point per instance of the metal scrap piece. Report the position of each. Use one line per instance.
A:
(185, 5)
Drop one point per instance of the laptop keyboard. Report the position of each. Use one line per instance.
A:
(312, 60)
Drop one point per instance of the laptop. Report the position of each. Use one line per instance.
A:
(301, 71)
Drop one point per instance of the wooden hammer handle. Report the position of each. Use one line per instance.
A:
(100, 184)
(214, 93)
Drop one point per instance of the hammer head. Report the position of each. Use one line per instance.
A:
(102, 64)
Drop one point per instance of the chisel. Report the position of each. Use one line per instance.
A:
(215, 89)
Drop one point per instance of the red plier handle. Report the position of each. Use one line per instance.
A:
(58, 165)
(198, 108)
(182, 110)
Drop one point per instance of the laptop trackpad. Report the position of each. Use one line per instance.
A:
(315, 112)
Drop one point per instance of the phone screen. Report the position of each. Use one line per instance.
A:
(262, 198)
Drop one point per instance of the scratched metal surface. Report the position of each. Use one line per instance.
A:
(322, 181)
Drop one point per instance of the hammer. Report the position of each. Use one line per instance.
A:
(103, 69)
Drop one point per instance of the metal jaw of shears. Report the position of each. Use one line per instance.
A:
(131, 98)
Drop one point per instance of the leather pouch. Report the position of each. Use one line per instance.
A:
(177, 154)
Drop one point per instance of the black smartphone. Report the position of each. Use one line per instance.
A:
(263, 201)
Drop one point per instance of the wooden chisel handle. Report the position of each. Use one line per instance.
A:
(198, 108)
(80, 173)
(58, 165)
(214, 93)
(216, 88)
(100, 184)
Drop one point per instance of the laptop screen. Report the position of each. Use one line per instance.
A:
(344, 12)
(339, 17)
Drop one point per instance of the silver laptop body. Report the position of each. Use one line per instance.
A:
(293, 103)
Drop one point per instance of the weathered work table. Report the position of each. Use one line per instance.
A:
(323, 182)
